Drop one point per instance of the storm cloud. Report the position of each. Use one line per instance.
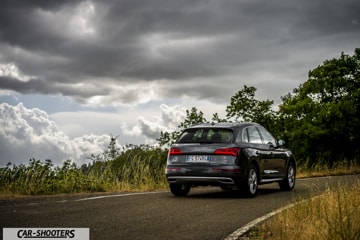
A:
(74, 71)
(84, 49)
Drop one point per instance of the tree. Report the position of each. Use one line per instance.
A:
(244, 107)
(112, 151)
(193, 116)
(322, 115)
(216, 118)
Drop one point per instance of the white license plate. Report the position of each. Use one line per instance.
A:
(197, 158)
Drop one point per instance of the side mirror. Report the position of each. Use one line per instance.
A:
(281, 143)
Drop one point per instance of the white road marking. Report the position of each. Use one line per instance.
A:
(238, 233)
(116, 195)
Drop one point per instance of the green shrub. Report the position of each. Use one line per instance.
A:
(138, 168)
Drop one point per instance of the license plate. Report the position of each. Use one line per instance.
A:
(197, 158)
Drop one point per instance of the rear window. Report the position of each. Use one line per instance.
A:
(206, 135)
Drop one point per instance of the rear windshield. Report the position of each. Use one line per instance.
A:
(206, 135)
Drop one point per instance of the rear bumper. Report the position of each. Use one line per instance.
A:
(195, 180)
(203, 175)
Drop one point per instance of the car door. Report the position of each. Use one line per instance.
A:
(260, 150)
(275, 164)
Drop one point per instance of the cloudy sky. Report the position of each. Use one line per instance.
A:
(72, 72)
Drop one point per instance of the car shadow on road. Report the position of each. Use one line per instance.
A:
(224, 194)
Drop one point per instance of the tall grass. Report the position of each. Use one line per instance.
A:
(334, 215)
(139, 168)
(321, 168)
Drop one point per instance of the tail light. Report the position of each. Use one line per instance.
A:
(174, 151)
(228, 151)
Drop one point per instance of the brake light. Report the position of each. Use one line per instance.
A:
(228, 151)
(174, 151)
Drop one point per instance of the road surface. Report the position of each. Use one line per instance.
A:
(206, 213)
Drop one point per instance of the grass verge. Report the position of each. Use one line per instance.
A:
(333, 215)
(138, 169)
(320, 169)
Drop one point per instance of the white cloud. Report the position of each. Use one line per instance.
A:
(169, 119)
(30, 133)
(80, 123)
(171, 116)
(12, 71)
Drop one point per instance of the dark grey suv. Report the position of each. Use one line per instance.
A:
(229, 155)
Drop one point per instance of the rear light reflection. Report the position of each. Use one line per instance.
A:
(234, 170)
(228, 151)
(172, 169)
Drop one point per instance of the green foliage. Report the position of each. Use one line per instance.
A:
(112, 151)
(319, 120)
(43, 178)
(192, 117)
(216, 118)
(244, 107)
(141, 167)
(322, 116)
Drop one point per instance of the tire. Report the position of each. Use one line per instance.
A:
(250, 187)
(179, 190)
(289, 181)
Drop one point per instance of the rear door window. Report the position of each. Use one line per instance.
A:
(268, 138)
(244, 136)
(254, 135)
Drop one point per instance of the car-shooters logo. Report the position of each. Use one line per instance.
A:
(46, 233)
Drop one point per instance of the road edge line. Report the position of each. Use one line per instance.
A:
(116, 195)
(238, 233)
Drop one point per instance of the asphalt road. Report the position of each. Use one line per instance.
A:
(206, 213)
